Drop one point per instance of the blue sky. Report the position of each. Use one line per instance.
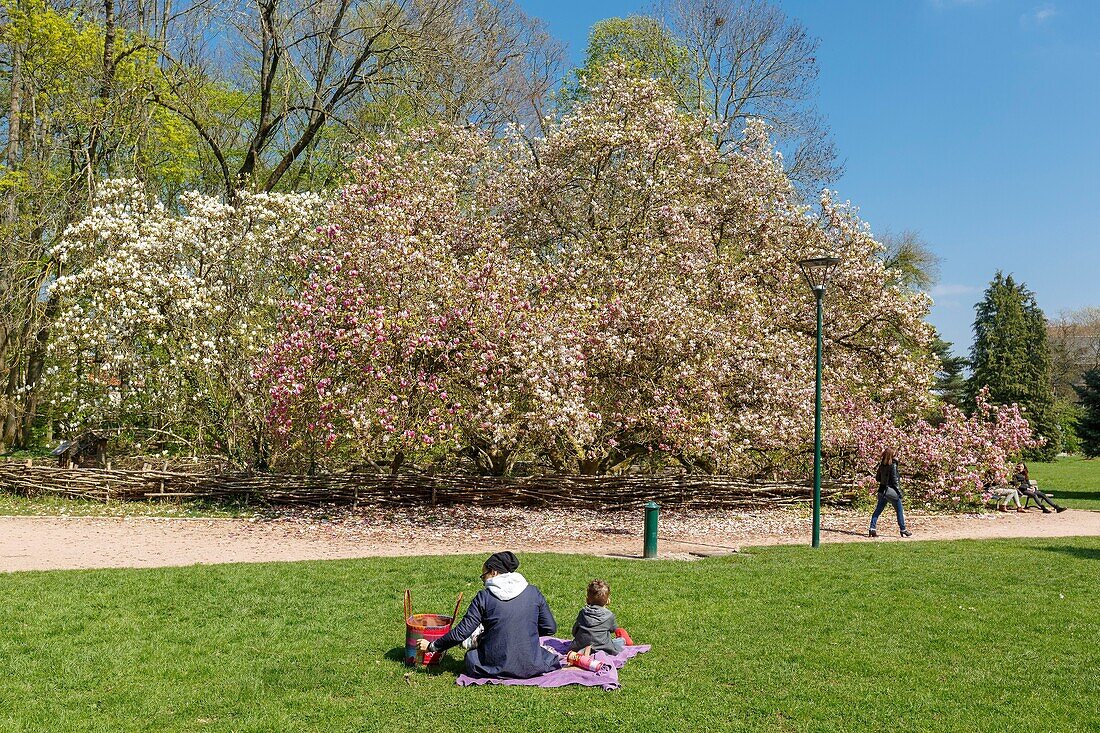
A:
(975, 122)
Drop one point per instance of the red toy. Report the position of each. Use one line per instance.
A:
(584, 660)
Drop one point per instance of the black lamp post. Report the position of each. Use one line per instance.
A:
(817, 271)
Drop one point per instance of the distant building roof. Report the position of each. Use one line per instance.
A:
(62, 449)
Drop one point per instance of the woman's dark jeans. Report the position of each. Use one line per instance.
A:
(1039, 498)
(882, 502)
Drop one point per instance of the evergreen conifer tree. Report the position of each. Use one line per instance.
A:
(951, 383)
(1011, 355)
(1088, 426)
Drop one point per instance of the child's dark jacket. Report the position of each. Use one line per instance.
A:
(595, 626)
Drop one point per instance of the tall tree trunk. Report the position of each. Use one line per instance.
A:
(11, 418)
(95, 139)
(36, 362)
(15, 116)
(270, 57)
(9, 331)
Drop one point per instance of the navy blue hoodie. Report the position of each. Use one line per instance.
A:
(513, 614)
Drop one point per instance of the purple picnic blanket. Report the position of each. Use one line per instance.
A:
(607, 677)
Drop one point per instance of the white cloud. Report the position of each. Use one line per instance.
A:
(1039, 15)
(948, 290)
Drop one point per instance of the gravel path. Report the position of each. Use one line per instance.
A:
(48, 543)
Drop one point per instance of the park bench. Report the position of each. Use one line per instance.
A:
(1028, 499)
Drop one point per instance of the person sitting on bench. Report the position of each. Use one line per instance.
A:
(1026, 488)
(1005, 494)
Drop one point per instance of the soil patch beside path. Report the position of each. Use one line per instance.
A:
(52, 543)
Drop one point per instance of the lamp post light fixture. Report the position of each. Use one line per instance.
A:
(817, 271)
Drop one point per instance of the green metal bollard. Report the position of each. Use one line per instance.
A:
(650, 549)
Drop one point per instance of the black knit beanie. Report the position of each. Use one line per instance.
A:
(502, 562)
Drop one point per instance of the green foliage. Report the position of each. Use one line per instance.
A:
(849, 637)
(1011, 355)
(950, 381)
(910, 259)
(63, 73)
(64, 109)
(1088, 425)
(1074, 481)
(1069, 414)
(59, 53)
(643, 44)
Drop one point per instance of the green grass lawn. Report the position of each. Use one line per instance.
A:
(961, 636)
(46, 505)
(1075, 481)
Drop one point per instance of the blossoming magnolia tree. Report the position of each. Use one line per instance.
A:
(165, 313)
(953, 461)
(421, 324)
(617, 290)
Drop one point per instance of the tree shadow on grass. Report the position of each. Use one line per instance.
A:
(1072, 495)
(1084, 553)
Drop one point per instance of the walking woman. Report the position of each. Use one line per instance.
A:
(889, 492)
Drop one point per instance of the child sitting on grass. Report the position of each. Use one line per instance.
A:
(595, 626)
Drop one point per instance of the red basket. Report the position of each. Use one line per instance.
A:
(430, 626)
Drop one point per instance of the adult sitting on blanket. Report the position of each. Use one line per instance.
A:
(512, 615)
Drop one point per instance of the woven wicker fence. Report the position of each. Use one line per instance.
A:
(607, 492)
